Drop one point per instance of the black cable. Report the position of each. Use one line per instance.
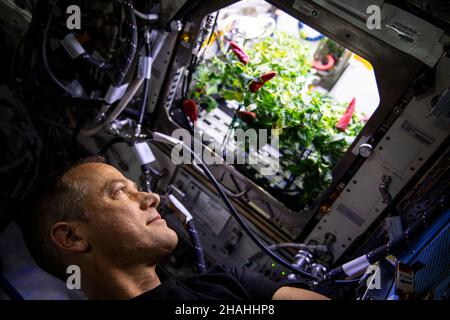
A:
(388, 248)
(193, 63)
(193, 233)
(146, 177)
(145, 90)
(249, 232)
(44, 54)
(128, 57)
(212, 30)
(33, 145)
(194, 59)
(98, 64)
(347, 282)
(187, 82)
(145, 168)
(259, 254)
(133, 113)
(243, 224)
(233, 211)
(10, 166)
(143, 101)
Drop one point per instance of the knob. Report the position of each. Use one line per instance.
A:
(365, 150)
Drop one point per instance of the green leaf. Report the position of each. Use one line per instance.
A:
(308, 118)
(211, 102)
(232, 95)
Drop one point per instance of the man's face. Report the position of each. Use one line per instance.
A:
(124, 226)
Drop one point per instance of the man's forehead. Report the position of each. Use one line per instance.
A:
(94, 172)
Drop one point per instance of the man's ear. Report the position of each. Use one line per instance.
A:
(69, 237)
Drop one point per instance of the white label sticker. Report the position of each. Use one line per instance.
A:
(72, 46)
(145, 67)
(405, 279)
(143, 153)
(209, 212)
(394, 228)
(115, 93)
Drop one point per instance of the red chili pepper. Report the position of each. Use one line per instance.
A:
(267, 76)
(246, 116)
(256, 85)
(191, 110)
(346, 118)
(239, 52)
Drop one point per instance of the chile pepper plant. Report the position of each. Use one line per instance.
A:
(269, 79)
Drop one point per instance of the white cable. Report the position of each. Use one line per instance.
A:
(159, 43)
(181, 208)
(131, 92)
(149, 16)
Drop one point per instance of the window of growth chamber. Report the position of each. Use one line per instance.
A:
(263, 69)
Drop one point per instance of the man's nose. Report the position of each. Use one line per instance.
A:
(149, 200)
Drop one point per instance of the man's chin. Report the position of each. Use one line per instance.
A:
(174, 237)
(170, 238)
(166, 239)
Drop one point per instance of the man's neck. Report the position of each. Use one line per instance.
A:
(119, 283)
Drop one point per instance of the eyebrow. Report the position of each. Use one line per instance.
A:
(110, 183)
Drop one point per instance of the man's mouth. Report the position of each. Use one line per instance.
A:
(154, 218)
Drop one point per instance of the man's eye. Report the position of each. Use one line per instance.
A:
(119, 191)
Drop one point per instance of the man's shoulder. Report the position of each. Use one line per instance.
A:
(241, 281)
(218, 282)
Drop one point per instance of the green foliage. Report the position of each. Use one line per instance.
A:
(307, 118)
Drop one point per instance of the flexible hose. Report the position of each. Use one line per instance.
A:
(44, 55)
(172, 141)
(146, 16)
(145, 90)
(193, 233)
(98, 64)
(134, 87)
(131, 92)
(247, 230)
(130, 20)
